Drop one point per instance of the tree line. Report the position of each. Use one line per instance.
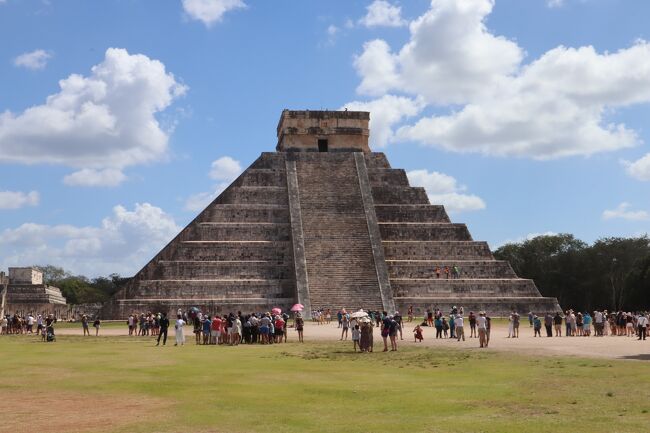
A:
(79, 289)
(612, 273)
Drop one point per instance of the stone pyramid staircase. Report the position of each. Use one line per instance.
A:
(419, 237)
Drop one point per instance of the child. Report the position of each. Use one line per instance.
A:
(418, 334)
(356, 336)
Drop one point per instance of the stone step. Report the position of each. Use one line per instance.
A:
(467, 268)
(208, 231)
(399, 195)
(432, 250)
(412, 213)
(222, 270)
(388, 176)
(269, 160)
(424, 232)
(210, 305)
(263, 177)
(458, 288)
(273, 251)
(201, 288)
(376, 160)
(255, 195)
(247, 213)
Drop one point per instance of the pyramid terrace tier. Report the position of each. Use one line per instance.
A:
(255, 195)
(272, 251)
(220, 305)
(238, 231)
(430, 269)
(424, 231)
(262, 177)
(195, 288)
(399, 195)
(463, 287)
(246, 213)
(411, 213)
(387, 176)
(437, 250)
(34, 294)
(494, 306)
(231, 270)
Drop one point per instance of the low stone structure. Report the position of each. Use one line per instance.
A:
(325, 222)
(27, 293)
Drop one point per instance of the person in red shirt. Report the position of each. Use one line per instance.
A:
(215, 330)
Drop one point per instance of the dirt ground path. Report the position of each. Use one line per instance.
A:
(591, 347)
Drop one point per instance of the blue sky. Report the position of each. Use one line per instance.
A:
(120, 119)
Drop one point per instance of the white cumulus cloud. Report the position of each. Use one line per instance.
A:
(106, 120)
(639, 169)
(18, 199)
(381, 13)
(210, 11)
(487, 100)
(386, 112)
(122, 243)
(623, 211)
(33, 60)
(444, 189)
(225, 170)
(91, 177)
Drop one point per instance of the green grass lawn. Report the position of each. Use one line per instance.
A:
(325, 387)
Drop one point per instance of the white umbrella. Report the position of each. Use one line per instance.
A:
(359, 314)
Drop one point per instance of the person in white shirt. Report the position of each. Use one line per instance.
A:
(481, 325)
(180, 337)
(642, 323)
(458, 325)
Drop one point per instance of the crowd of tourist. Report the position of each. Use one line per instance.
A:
(29, 324)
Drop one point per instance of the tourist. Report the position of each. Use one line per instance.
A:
(180, 337)
(417, 331)
(515, 324)
(398, 318)
(481, 323)
(579, 324)
(459, 328)
(4, 325)
(409, 313)
(511, 325)
(265, 328)
(356, 336)
(30, 324)
(598, 323)
(447, 272)
(328, 318)
(84, 325)
(445, 327)
(392, 333)
(429, 317)
(97, 324)
(300, 324)
(385, 331)
(438, 323)
(472, 324)
(39, 324)
(537, 326)
(49, 326)
(586, 325)
(339, 317)
(452, 324)
(567, 323)
(629, 324)
(548, 324)
(215, 329)
(207, 329)
(345, 323)
(531, 316)
(197, 328)
(557, 322)
(437, 271)
(237, 330)
(279, 325)
(131, 323)
(164, 326)
(488, 329)
(642, 324)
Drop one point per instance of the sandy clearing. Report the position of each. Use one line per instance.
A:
(591, 347)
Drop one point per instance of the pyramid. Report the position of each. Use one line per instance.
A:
(327, 223)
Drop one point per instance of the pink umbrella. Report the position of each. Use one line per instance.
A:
(297, 307)
(276, 310)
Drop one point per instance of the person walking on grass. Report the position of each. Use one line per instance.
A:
(180, 336)
(84, 325)
(164, 326)
(356, 336)
(345, 323)
(557, 322)
(392, 333)
(385, 331)
(459, 328)
(481, 325)
(97, 323)
(642, 324)
(537, 326)
(300, 326)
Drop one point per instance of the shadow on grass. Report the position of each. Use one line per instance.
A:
(639, 357)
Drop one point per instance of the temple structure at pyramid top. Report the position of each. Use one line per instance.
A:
(327, 223)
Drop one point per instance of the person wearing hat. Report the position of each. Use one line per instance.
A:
(481, 326)
(642, 323)
(300, 325)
